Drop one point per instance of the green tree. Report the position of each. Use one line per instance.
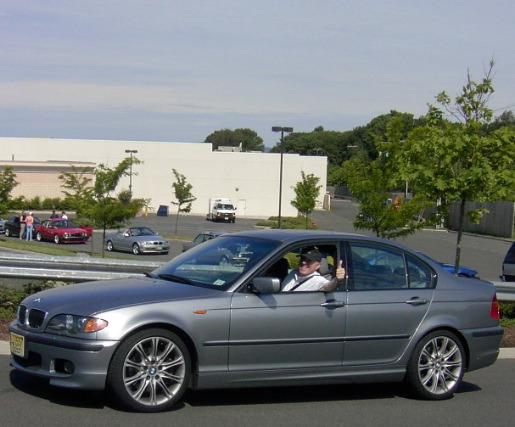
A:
(458, 162)
(306, 194)
(247, 138)
(7, 184)
(101, 206)
(369, 183)
(506, 119)
(373, 182)
(182, 190)
(78, 188)
(319, 142)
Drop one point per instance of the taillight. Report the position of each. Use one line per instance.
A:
(494, 308)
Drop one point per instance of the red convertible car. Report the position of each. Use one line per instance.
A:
(62, 231)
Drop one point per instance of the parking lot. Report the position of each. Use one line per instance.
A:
(485, 254)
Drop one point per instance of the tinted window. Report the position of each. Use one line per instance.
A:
(380, 267)
(419, 274)
(376, 267)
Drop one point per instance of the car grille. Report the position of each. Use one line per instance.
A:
(33, 318)
(75, 236)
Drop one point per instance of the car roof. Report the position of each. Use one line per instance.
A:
(292, 236)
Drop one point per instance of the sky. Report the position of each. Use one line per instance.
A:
(176, 70)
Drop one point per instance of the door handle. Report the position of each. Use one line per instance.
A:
(333, 304)
(417, 301)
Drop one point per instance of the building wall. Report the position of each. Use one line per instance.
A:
(250, 180)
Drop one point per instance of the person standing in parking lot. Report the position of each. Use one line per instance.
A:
(23, 216)
(29, 222)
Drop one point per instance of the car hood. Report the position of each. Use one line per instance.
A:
(94, 297)
(62, 230)
(155, 238)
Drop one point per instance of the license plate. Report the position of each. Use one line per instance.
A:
(159, 248)
(17, 344)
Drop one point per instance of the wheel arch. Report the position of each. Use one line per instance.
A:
(183, 335)
(455, 331)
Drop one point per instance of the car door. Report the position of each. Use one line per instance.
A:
(389, 293)
(123, 240)
(287, 330)
(44, 230)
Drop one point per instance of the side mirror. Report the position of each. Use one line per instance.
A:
(265, 285)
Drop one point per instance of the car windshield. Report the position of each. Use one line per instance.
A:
(217, 263)
(142, 231)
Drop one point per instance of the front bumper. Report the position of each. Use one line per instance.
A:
(154, 249)
(65, 362)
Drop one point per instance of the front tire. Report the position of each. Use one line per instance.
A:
(57, 240)
(135, 249)
(7, 232)
(437, 365)
(150, 371)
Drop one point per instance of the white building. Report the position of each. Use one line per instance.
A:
(250, 180)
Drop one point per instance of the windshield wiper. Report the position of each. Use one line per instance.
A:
(174, 278)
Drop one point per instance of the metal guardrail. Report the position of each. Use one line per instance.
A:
(85, 268)
(70, 269)
(505, 291)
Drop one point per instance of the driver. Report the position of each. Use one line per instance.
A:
(307, 277)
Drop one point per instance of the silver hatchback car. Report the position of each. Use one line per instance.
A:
(217, 317)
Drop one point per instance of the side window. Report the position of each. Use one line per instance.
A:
(376, 267)
(419, 274)
(289, 261)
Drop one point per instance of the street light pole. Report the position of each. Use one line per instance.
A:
(281, 129)
(131, 152)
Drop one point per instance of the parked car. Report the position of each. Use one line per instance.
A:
(198, 325)
(508, 266)
(201, 238)
(12, 226)
(59, 230)
(138, 240)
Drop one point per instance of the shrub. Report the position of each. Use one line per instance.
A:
(507, 310)
(10, 298)
(289, 222)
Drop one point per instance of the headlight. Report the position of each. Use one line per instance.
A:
(72, 324)
(66, 235)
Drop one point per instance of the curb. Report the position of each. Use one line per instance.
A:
(504, 353)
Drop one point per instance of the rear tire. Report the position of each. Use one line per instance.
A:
(7, 232)
(39, 237)
(436, 366)
(109, 246)
(150, 371)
